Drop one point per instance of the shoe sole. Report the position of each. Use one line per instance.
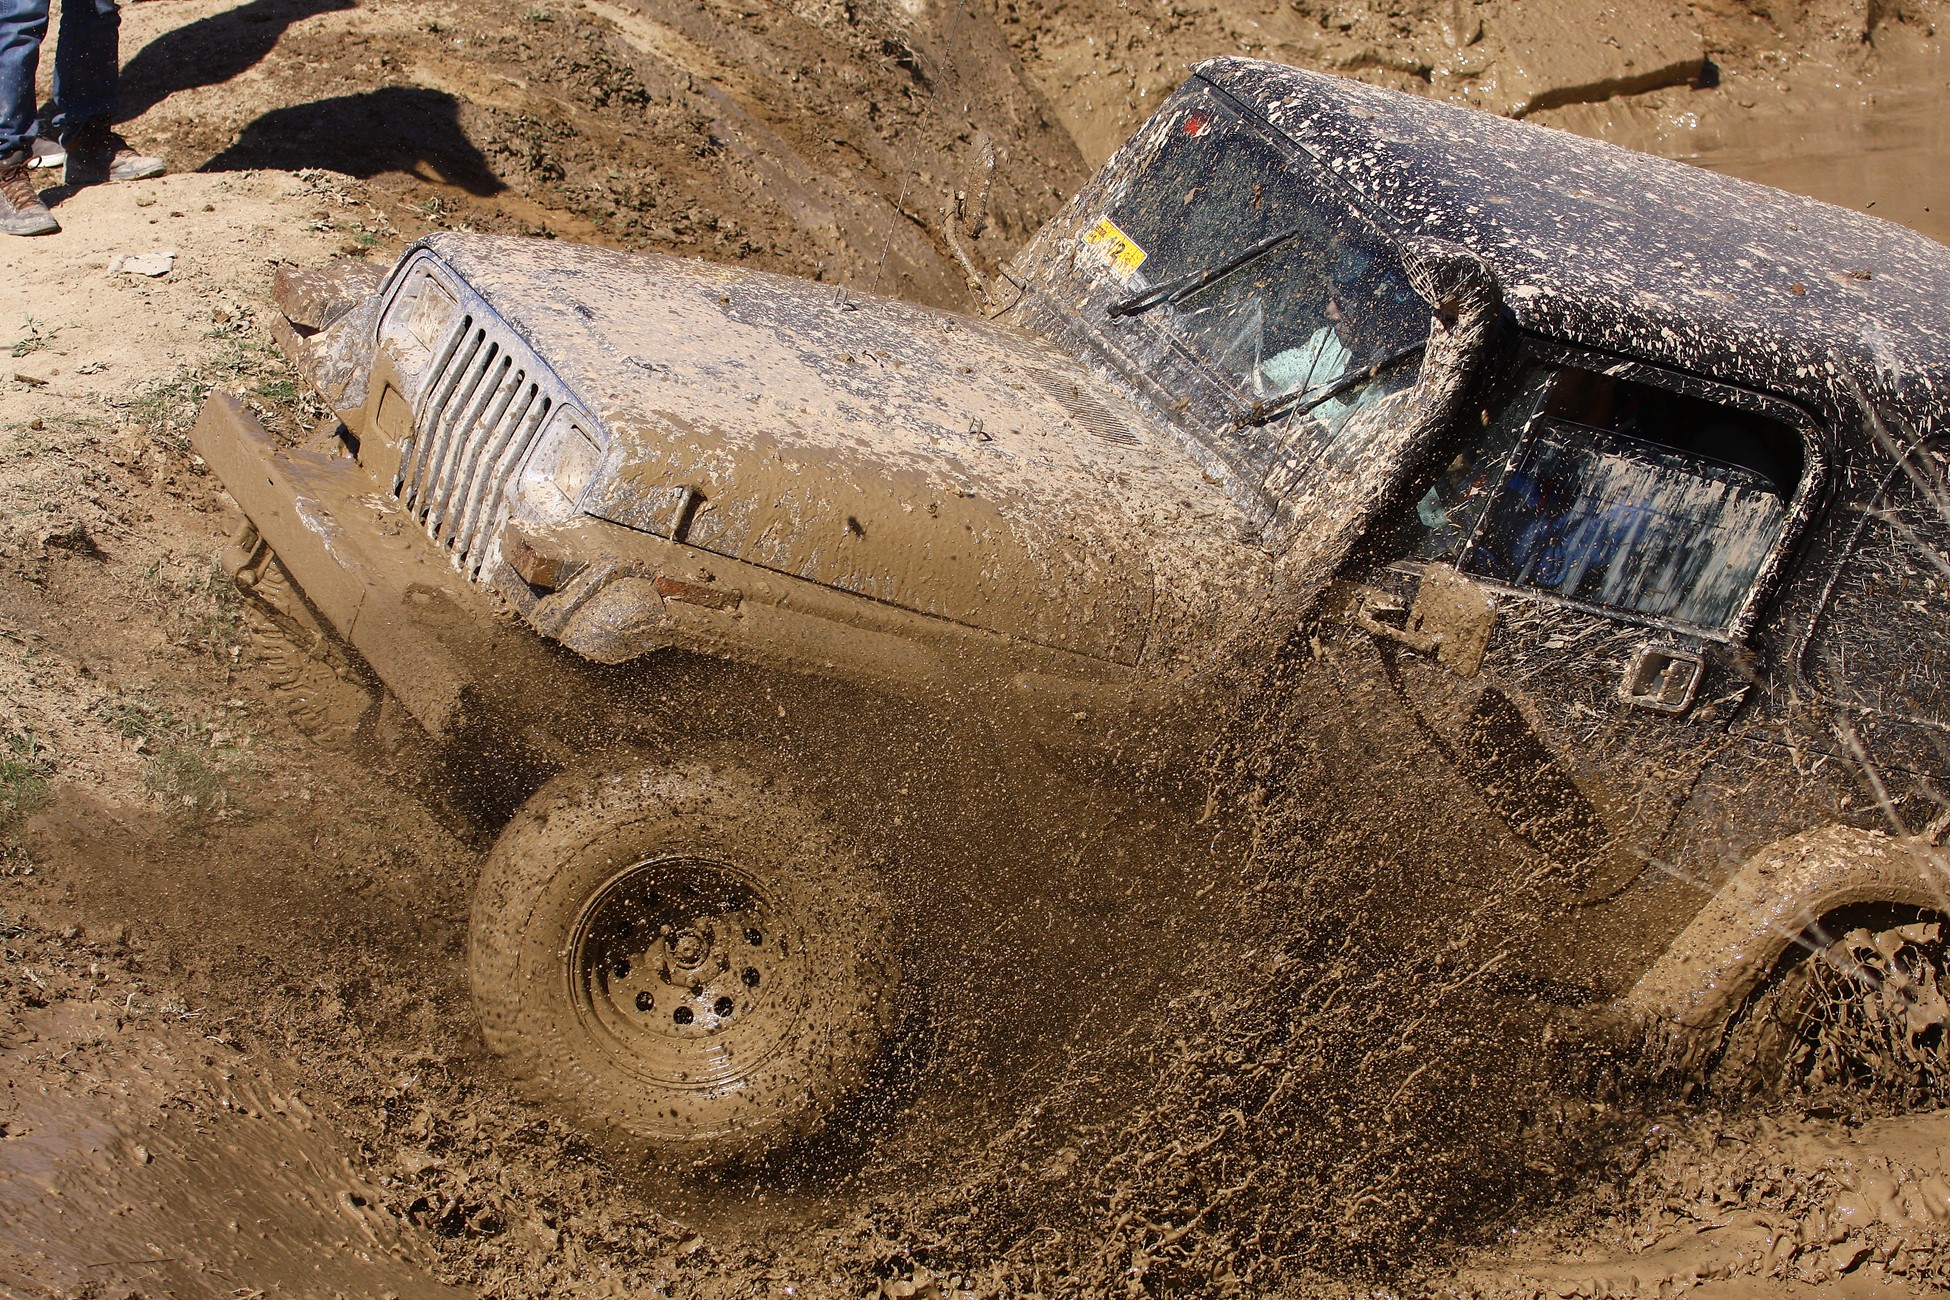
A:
(28, 225)
(75, 180)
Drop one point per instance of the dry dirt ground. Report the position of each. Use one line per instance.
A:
(238, 1058)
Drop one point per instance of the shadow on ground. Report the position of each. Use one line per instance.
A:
(210, 51)
(395, 129)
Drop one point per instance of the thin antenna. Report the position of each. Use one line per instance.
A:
(887, 244)
(956, 214)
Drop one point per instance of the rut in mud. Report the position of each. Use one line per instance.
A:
(1291, 1083)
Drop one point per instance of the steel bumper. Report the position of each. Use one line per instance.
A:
(366, 568)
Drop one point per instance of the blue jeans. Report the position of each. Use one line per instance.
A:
(87, 62)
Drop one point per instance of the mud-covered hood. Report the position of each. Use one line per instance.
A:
(940, 463)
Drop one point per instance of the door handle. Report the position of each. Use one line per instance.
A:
(1663, 678)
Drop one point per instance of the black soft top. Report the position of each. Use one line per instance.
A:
(1623, 251)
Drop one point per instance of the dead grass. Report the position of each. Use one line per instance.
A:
(25, 767)
(194, 764)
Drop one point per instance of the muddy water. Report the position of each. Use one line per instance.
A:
(1879, 144)
(145, 1161)
(1888, 153)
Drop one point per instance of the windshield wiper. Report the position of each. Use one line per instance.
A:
(1191, 282)
(1306, 399)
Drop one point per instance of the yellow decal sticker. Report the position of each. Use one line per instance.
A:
(1123, 254)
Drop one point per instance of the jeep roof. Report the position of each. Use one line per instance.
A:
(1620, 250)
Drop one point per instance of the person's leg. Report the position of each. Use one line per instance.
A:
(87, 73)
(87, 63)
(22, 25)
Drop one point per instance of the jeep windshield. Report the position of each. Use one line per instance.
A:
(1247, 257)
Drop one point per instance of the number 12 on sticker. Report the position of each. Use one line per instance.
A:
(1116, 247)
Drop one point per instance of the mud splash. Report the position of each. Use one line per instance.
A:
(138, 1151)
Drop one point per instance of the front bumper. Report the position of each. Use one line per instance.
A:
(369, 571)
(463, 661)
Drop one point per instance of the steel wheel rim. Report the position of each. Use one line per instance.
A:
(687, 973)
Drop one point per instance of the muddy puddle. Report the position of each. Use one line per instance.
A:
(1879, 145)
(145, 1158)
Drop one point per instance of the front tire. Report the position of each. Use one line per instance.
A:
(687, 962)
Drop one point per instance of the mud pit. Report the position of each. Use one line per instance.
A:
(235, 890)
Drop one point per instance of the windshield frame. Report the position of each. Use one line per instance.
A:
(1219, 422)
(1280, 473)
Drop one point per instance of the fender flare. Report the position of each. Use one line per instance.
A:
(1783, 890)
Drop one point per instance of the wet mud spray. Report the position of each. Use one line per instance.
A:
(1293, 1082)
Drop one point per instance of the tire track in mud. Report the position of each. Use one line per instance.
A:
(140, 1144)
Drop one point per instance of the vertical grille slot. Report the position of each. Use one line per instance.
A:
(496, 389)
(471, 393)
(441, 382)
(483, 411)
(482, 507)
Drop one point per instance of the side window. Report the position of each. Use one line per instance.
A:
(1617, 494)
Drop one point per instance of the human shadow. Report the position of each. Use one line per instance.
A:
(394, 129)
(210, 51)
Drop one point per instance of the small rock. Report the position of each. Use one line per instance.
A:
(149, 264)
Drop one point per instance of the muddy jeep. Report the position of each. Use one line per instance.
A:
(1601, 499)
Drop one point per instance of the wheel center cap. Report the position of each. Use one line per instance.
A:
(689, 948)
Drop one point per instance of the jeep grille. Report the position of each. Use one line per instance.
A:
(482, 411)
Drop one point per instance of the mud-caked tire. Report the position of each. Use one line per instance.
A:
(1864, 1011)
(688, 962)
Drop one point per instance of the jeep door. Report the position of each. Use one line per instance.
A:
(1561, 600)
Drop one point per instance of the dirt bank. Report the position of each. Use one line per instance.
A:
(233, 894)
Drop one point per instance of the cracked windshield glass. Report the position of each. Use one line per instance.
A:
(1250, 260)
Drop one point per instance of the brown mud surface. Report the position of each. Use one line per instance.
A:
(235, 1041)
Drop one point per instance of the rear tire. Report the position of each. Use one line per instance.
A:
(687, 962)
(1865, 1013)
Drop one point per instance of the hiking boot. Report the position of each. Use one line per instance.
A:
(46, 153)
(21, 209)
(97, 154)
